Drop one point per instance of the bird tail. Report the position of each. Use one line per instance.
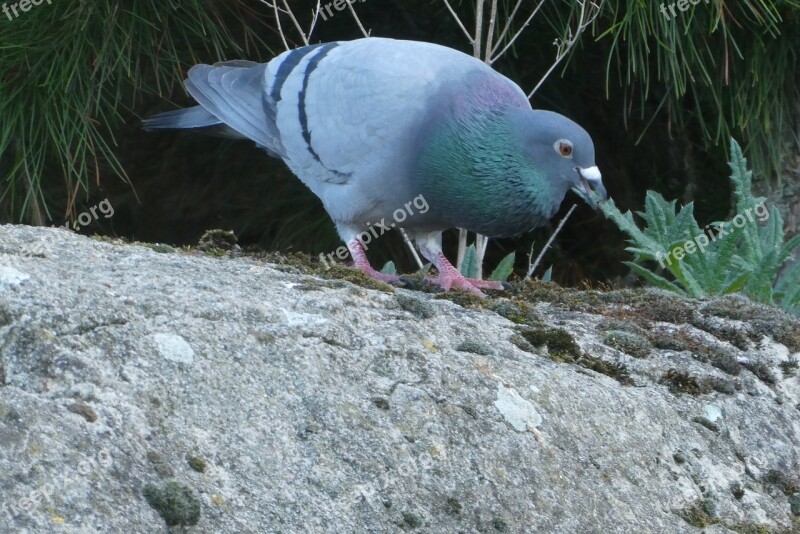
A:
(195, 117)
(230, 95)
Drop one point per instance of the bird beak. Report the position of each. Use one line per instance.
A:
(591, 186)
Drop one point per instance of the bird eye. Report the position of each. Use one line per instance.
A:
(563, 147)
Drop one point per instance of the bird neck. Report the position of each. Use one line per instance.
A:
(473, 171)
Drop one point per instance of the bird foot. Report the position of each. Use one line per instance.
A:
(449, 279)
(377, 275)
(362, 263)
(486, 284)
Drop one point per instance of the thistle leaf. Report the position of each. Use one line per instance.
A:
(504, 268)
(469, 266)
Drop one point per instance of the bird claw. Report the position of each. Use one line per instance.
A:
(470, 285)
(420, 284)
(387, 278)
(487, 284)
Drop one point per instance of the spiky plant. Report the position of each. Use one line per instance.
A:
(746, 254)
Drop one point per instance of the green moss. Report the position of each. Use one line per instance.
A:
(6, 315)
(196, 463)
(114, 240)
(335, 274)
(536, 291)
(160, 248)
(794, 504)
(475, 347)
(717, 357)
(463, 299)
(749, 528)
(522, 344)
(762, 371)
(381, 403)
(622, 325)
(722, 385)
(293, 262)
(737, 490)
(10, 415)
(500, 525)
(786, 483)
(217, 242)
(764, 320)
(712, 354)
(700, 514)
(632, 344)
(659, 306)
(786, 332)
(617, 371)
(706, 423)
(453, 506)
(311, 285)
(629, 309)
(174, 501)
(160, 464)
(682, 382)
(84, 410)
(516, 311)
(561, 346)
(412, 520)
(735, 335)
(419, 282)
(670, 341)
(790, 366)
(737, 308)
(355, 276)
(416, 307)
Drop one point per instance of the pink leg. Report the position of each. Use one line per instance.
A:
(450, 277)
(431, 247)
(480, 284)
(356, 249)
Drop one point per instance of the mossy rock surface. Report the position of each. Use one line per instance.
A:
(250, 393)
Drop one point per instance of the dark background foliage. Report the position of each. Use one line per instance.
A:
(659, 97)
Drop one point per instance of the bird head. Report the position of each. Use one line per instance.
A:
(564, 152)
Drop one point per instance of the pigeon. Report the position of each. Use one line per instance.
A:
(400, 134)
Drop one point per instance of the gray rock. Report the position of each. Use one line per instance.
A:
(336, 410)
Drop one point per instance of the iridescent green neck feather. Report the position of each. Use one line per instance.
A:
(475, 175)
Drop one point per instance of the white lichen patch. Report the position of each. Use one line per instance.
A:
(712, 412)
(10, 277)
(295, 319)
(174, 348)
(518, 412)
